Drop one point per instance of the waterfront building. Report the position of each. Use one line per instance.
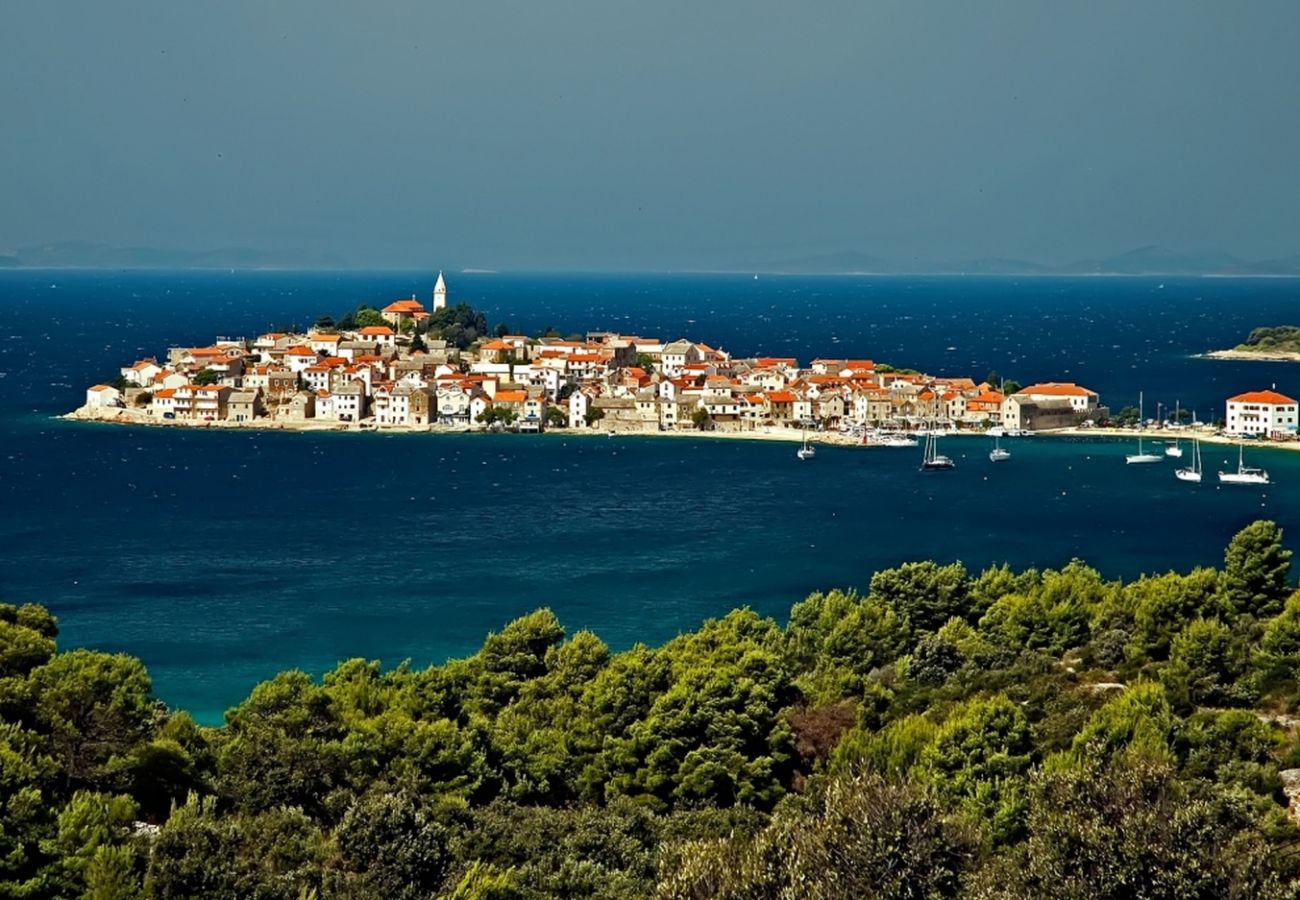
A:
(1261, 413)
(101, 396)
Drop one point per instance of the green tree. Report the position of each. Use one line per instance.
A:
(594, 415)
(556, 417)
(206, 377)
(927, 593)
(368, 317)
(1255, 569)
(391, 845)
(1206, 661)
(700, 418)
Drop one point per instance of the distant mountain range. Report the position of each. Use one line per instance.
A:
(89, 255)
(1150, 260)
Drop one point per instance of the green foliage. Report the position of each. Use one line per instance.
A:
(1082, 739)
(459, 325)
(860, 836)
(367, 317)
(1255, 569)
(927, 593)
(1274, 338)
(205, 377)
(556, 417)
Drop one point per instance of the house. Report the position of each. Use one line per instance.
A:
(324, 343)
(403, 404)
(299, 358)
(103, 396)
(985, 405)
(142, 372)
(244, 406)
(579, 407)
(1081, 399)
(1264, 413)
(400, 310)
(351, 401)
(779, 406)
(1019, 412)
(676, 355)
(380, 335)
(301, 406)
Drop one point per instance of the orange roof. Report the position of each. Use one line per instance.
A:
(765, 362)
(300, 351)
(376, 330)
(511, 396)
(781, 397)
(498, 345)
(859, 364)
(99, 387)
(404, 306)
(327, 338)
(1058, 389)
(1270, 398)
(164, 393)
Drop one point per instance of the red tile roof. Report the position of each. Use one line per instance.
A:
(1269, 398)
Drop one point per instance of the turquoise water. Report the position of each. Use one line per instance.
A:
(221, 558)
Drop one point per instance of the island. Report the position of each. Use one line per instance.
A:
(1277, 343)
(405, 367)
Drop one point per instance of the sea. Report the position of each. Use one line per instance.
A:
(220, 558)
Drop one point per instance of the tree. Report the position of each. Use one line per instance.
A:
(927, 593)
(700, 417)
(1206, 661)
(556, 417)
(325, 324)
(206, 377)
(368, 317)
(418, 345)
(1255, 569)
(594, 415)
(391, 845)
(501, 330)
(645, 361)
(1126, 417)
(861, 836)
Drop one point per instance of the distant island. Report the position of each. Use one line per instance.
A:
(1278, 343)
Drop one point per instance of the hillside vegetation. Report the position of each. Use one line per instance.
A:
(1001, 734)
(1276, 339)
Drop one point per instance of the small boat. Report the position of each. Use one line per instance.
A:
(931, 459)
(889, 439)
(1175, 449)
(1192, 473)
(1140, 456)
(806, 452)
(998, 453)
(1245, 474)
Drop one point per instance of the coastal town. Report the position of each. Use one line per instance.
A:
(408, 367)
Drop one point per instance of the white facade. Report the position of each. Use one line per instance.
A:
(1261, 413)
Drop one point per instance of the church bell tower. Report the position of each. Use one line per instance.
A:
(440, 294)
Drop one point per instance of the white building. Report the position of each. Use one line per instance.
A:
(102, 395)
(439, 294)
(1262, 413)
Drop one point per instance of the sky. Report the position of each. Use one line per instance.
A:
(665, 135)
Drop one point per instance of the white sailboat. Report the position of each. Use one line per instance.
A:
(1193, 472)
(931, 459)
(998, 453)
(1175, 449)
(1141, 456)
(806, 452)
(1245, 474)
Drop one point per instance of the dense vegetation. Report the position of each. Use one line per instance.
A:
(996, 735)
(1284, 338)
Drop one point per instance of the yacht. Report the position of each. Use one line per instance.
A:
(931, 459)
(1175, 449)
(1141, 456)
(1192, 472)
(1245, 474)
(806, 452)
(998, 453)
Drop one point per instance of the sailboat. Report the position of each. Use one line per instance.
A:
(1245, 474)
(806, 452)
(998, 454)
(1194, 472)
(932, 460)
(1141, 456)
(1175, 449)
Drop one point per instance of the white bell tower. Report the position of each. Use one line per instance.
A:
(440, 293)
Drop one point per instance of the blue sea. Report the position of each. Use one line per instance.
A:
(222, 558)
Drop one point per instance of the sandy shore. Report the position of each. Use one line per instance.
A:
(1261, 356)
(1154, 435)
(769, 433)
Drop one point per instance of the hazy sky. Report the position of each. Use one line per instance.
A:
(655, 134)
